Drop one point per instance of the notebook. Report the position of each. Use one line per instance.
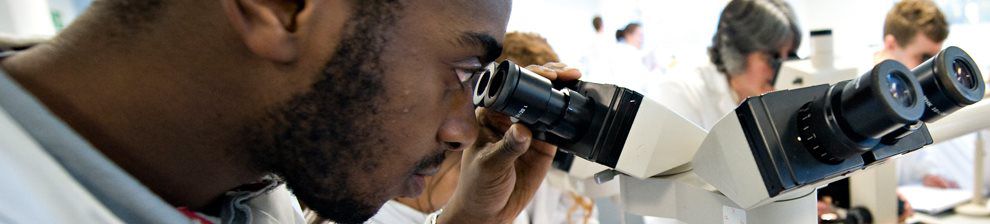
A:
(933, 200)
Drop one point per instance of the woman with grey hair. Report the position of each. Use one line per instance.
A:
(752, 39)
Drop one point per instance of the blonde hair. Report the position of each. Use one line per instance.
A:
(527, 49)
(909, 17)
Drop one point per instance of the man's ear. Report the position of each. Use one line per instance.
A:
(266, 26)
(890, 42)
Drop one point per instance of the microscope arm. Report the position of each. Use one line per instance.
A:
(967, 120)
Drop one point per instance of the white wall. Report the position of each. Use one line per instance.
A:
(857, 26)
(25, 18)
(684, 28)
(565, 23)
(68, 10)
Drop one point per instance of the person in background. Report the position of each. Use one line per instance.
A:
(523, 49)
(629, 64)
(752, 38)
(550, 205)
(527, 49)
(914, 31)
(595, 62)
(630, 35)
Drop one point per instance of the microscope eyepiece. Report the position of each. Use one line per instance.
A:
(854, 115)
(530, 98)
(805, 137)
(950, 81)
(900, 90)
(589, 120)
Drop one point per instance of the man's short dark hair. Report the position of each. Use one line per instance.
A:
(132, 13)
(909, 17)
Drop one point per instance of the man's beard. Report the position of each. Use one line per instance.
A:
(321, 141)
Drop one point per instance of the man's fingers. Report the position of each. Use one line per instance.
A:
(543, 71)
(543, 148)
(493, 120)
(564, 73)
(555, 65)
(568, 74)
(514, 143)
(556, 71)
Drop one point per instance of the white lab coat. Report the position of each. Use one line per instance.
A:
(621, 64)
(626, 69)
(52, 175)
(36, 189)
(595, 63)
(395, 212)
(549, 206)
(703, 97)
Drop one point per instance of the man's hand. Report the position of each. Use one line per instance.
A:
(937, 181)
(498, 179)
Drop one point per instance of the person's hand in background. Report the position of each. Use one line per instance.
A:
(937, 181)
(502, 172)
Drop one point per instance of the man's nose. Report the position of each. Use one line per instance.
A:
(460, 128)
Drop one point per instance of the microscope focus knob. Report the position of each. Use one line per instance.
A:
(810, 138)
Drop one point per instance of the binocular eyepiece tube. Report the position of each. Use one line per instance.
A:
(530, 98)
(887, 103)
(851, 118)
(950, 81)
(589, 120)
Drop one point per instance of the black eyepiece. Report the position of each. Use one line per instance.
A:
(589, 120)
(854, 115)
(530, 98)
(950, 81)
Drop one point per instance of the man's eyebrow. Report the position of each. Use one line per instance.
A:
(490, 45)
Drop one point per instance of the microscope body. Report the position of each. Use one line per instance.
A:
(602, 123)
(654, 139)
(753, 155)
(766, 157)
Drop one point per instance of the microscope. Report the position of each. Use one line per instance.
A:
(760, 163)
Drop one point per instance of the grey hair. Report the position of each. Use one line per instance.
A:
(747, 26)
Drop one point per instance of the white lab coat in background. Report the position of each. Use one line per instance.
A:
(551, 205)
(627, 69)
(548, 206)
(621, 64)
(952, 159)
(395, 212)
(595, 63)
(703, 97)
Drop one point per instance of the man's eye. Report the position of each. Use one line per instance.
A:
(925, 57)
(465, 75)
